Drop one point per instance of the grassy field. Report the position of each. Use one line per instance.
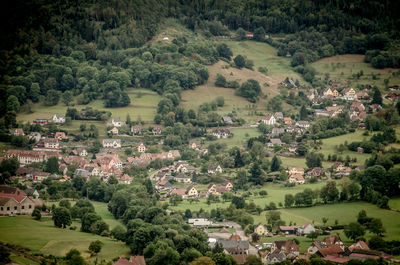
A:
(395, 204)
(42, 236)
(342, 67)
(262, 54)
(22, 260)
(143, 104)
(101, 209)
(240, 137)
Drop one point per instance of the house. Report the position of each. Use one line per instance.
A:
(228, 185)
(51, 143)
(14, 201)
(334, 111)
(191, 192)
(39, 176)
(337, 166)
(60, 136)
(297, 179)
(227, 120)
(157, 130)
(17, 132)
(113, 131)
(141, 148)
(293, 147)
(32, 192)
(136, 129)
(287, 120)
(59, 118)
(278, 115)
(41, 121)
(316, 172)
(357, 106)
(276, 132)
(163, 184)
(349, 94)
(362, 95)
(214, 169)
(295, 170)
(360, 150)
(82, 152)
(392, 96)
(260, 229)
(235, 247)
(336, 259)
(327, 92)
(289, 248)
(116, 122)
(212, 188)
(35, 136)
(182, 178)
(112, 143)
(195, 145)
(359, 245)
(271, 258)
(303, 124)
(374, 107)
(328, 246)
(321, 113)
(345, 171)
(133, 260)
(268, 120)
(125, 179)
(275, 141)
(221, 133)
(199, 222)
(288, 230)
(305, 229)
(240, 258)
(29, 157)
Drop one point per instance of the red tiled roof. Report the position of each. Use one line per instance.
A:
(240, 258)
(336, 259)
(11, 192)
(330, 250)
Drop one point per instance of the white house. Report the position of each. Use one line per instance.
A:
(112, 143)
(141, 148)
(306, 229)
(117, 122)
(268, 120)
(59, 118)
(213, 169)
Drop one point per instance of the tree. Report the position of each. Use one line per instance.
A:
(128, 119)
(240, 61)
(73, 257)
(241, 34)
(95, 247)
(289, 200)
(224, 51)
(202, 261)
(67, 98)
(313, 160)
(188, 213)
(313, 235)
(62, 217)
(52, 165)
(324, 220)
(118, 233)
(12, 103)
(256, 174)
(8, 167)
(329, 193)
(5, 255)
(239, 202)
(376, 227)
(65, 203)
(275, 164)
(149, 187)
(259, 34)
(303, 113)
(36, 214)
(377, 97)
(273, 217)
(302, 150)
(354, 231)
(88, 220)
(52, 97)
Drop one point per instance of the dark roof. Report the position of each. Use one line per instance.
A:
(237, 244)
(4, 200)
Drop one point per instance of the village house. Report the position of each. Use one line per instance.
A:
(305, 229)
(14, 201)
(260, 229)
(274, 141)
(17, 132)
(293, 147)
(35, 136)
(316, 172)
(32, 192)
(112, 143)
(268, 120)
(51, 143)
(334, 111)
(349, 94)
(60, 136)
(125, 179)
(116, 122)
(141, 148)
(374, 107)
(157, 130)
(392, 96)
(212, 189)
(29, 157)
(82, 152)
(321, 113)
(327, 92)
(227, 120)
(182, 178)
(276, 132)
(362, 95)
(278, 115)
(199, 222)
(328, 246)
(295, 170)
(136, 129)
(288, 230)
(357, 106)
(303, 124)
(343, 172)
(337, 166)
(113, 131)
(221, 133)
(234, 247)
(228, 185)
(271, 258)
(41, 121)
(59, 118)
(289, 248)
(287, 120)
(296, 179)
(191, 192)
(196, 145)
(214, 169)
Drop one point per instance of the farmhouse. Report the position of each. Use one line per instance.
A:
(157, 130)
(221, 133)
(136, 130)
(260, 229)
(235, 246)
(15, 201)
(125, 179)
(288, 230)
(191, 192)
(287, 120)
(303, 124)
(141, 148)
(268, 120)
(112, 143)
(349, 94)
(182, 178)
(17, 132)
(116, 122)
(273, 142)
(51, 143)
(297, 179)
(278, 115)
(59, 118)
(305, 229)
(195, 145)
(214, 169)
(227, 120)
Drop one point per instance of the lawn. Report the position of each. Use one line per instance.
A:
(240, 137)
(342, 67)
(394, 204)
(101, 209)
(42, 236)
(143, 105)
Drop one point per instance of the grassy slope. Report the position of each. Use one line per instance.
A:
(350, 64)
(42, 236)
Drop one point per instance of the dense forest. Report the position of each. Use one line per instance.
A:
(54, 50)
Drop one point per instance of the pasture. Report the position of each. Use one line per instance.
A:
(343, 67)
(42, 236)
(240, 137)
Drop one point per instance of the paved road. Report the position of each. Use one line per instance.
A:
(239, 231)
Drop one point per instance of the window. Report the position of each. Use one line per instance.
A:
(30, 206)
(22, 207)
(15, 207)
(1, 208)
(8, 208)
